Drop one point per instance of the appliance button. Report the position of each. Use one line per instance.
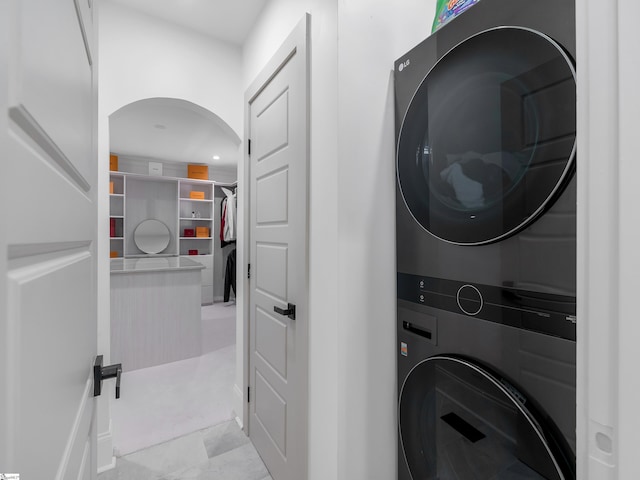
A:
(469, 299)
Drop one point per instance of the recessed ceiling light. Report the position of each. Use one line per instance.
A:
(160, 126)
(216, 157)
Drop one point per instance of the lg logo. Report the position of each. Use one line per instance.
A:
(403, 65)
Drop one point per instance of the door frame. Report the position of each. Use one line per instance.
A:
(296, 41)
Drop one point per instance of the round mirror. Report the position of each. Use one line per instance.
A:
(151, 236)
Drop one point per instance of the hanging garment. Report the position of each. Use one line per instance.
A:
(230, 216)
(223, 213)
(230, 275)
(223, 224)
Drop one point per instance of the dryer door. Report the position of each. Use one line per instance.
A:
(488, 140)
(458, 421)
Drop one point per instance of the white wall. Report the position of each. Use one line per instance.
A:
(628, 356)
(276, 22)
(142, 57)
(324, 362)
(608, 393)
(372, 35)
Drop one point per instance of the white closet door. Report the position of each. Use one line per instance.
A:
(47, 247)
(278, 130)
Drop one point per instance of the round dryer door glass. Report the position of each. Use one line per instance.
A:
(458, 421)
(488, 141)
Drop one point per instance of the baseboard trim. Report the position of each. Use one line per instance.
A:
(105, 468)
(237, 404)
(239, 422)
(105, 458)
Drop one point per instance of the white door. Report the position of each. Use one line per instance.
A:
(47, 247)
(278, 166)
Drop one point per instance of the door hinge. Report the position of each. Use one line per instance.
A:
(248, 394)
(248, 270)
(249, 146)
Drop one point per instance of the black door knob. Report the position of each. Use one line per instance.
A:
(101, 373)
(289, 312)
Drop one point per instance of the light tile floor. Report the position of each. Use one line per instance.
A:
(222, 452)
(168, 401)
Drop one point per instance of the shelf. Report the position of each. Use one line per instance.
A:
(121, 195)
(150, 255)
(182, 199)
(116, 238)
(194, 181)
(196, 219)
(116, 216)
(146, 176)
(196, 238)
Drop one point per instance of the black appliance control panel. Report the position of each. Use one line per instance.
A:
(545, 313)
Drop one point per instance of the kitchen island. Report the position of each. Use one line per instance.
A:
(155, 310)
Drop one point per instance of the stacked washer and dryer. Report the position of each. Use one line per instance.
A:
(486, 246)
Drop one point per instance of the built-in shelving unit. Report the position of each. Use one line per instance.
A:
(194, 213)
(116, 214)
(137, 197)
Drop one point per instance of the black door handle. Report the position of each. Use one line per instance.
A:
(101, 373)
(289, 312)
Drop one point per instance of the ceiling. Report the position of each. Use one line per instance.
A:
(227, 20)
(174, 131)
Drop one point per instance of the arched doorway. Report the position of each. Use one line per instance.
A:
(174, 133)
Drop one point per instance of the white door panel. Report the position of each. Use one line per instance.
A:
(48, 318)
(37, 313)
(271, 270)
(35, 215)
(271, 125)
(278, 166)
(273, 189)
(271, 412)
(271, 341)
(51, 89)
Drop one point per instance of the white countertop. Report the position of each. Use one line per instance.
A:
(154, 264)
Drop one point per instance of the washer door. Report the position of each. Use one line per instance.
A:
(488, 140)
(458, 421)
